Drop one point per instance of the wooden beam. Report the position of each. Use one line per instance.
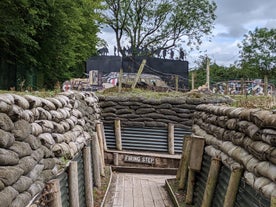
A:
(73, 184)
(88, 177)
(118, 136)
(171, 138)
(139, 73)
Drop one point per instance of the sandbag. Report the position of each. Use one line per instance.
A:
(7, 195)
(6, 139)
(21, 200)
(10, 174)
(22, 184)
(22, 130)
(21, 148)
(6, 123)
(8, 157)
(27, 164)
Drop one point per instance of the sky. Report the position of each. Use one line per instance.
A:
(235, 18)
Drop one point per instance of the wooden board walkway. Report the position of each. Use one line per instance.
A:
(138, 190)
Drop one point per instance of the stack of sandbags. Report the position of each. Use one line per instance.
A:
(246, 135)
(36, 136)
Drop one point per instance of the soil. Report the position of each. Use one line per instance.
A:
(99, 193)
(179, 194)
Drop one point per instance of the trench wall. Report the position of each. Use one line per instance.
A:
(38, 136)
(243, 139)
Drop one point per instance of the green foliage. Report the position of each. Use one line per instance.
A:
(52, 38)
(159, 24)
(258, 50)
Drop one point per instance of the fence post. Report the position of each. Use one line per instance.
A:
(211, 183)
(184, 143)
(115, 158)
(103, 134)
(96, 162)
(118, 134)
(88, 177)
(101, 144)
(73, 184)
(56, 196)
(171, 138)
(190, 187)
(186, 159)
(232, 188)
(176, 82)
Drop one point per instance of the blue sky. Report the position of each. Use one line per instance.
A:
(234, 19)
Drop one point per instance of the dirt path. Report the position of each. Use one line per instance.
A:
(138, 190)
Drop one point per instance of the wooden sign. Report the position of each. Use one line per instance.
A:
(139, 159)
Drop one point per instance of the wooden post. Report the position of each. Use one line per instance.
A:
(184, 167)
(56, 196)
(197, 153)
(193, 80)
(233, 187)
(120, 80)
(100, 138)
(171, 138)
(88, 177)
(96, 162)
(176, 82)
(103, 135)
(73, 184)
(190, 187)
(208, 73)
(181, 160)
(118, 137)
(211, 183)
(139, 73)
(116, 158)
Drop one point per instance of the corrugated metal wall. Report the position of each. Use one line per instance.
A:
(81, 183)
(110, 136)
(221, 188)
(64, 189)
(247, 196)
(200, 180)
(179, 134)
(145, 139)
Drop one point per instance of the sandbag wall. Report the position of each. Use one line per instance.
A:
(139, 111)
(36, 136)
(241, 138)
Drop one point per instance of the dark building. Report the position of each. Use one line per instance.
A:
(165, 68)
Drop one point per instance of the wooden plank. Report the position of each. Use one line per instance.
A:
(139, 73)
(147, 196)
(196, 153)
(137, 192)
(128, 191)
(119, 194)
(156, 196)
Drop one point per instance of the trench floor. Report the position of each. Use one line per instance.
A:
(138, 190)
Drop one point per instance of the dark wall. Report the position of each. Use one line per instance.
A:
(165, 68)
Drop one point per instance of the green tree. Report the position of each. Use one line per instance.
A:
(258, 51)
(159, 24)
(48, 39)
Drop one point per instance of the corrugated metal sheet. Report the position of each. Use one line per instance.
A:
(179, 134)
(145, 139)
(247, 196)
(221, 188)
(200, 180)
(64, 190)
(81, 183)
(110, 136)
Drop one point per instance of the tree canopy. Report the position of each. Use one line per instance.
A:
(159, 24)
(258, 50)
(51, 38)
